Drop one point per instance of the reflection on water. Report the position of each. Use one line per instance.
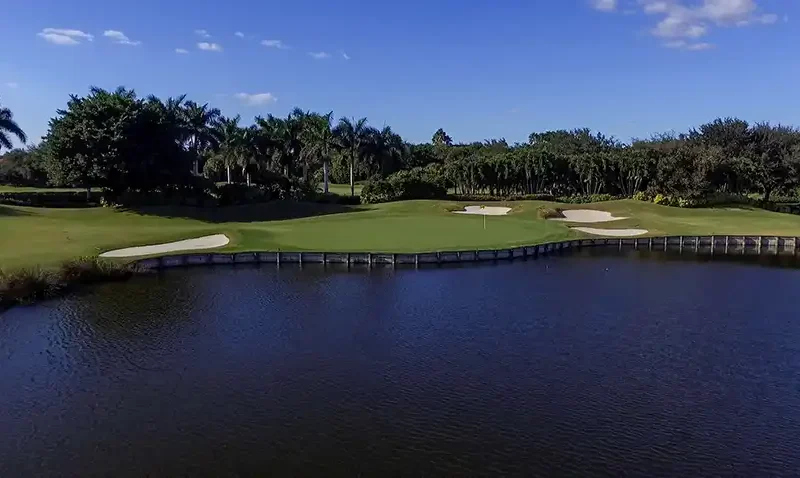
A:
(580, 365)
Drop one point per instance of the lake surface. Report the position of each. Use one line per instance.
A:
(584, 366)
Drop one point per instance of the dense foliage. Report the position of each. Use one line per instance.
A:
(123, 144)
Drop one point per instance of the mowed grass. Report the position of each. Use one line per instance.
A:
(342, 189)
(47, 237)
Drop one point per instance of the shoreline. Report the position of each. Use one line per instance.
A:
(729, 245)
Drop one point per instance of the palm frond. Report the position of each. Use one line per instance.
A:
(7, 124)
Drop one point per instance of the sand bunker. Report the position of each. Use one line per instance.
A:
(612, 232)
(586, 216)
(485, 210)
(206, 242)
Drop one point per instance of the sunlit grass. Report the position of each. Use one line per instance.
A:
(31, 237)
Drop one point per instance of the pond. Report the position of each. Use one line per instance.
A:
(574, 365)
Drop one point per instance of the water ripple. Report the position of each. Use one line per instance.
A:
(560, 367)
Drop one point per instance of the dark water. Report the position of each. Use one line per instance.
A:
(563, 366)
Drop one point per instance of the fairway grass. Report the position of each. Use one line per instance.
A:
(31, 237)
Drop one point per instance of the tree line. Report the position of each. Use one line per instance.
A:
(118, 141)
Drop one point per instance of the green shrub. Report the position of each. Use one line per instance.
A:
(662, 200)
(489, 197)
(410, 187)
(550, 213)
(586, 199)
(54, 199)
(378, 191)
(643, 196)
(687, 202)
(417, 183)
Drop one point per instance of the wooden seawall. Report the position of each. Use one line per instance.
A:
(721, 245)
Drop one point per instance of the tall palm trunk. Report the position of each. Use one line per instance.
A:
(229, 173)
(325, 176)
(352, 183)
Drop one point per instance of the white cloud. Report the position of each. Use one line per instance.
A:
(768, 19)
(728, 11)
(62, 36)
(181, 51)
(209, 46)
(319, 55)
(12, 85)
(202, 33)
(120, 38)
(274, 44)
(604, 5)
(345, 56)
(699, 46)
(679, 27)
(689, 20)
(256, 99)
(691, 46)
(239, 34)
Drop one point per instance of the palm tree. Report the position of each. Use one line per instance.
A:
(318, 142)
(201, 131)
(9, 126)
(248, 150)
(351, 137)
(230, 146)
(385, 149)
(276, 143)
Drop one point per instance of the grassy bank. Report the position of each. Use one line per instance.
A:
(34, 237)
(26, 285)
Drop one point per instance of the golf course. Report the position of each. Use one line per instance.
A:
(40, 237)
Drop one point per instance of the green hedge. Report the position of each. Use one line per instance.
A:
(488, 197)
(52, 199)
(586, 199)
(417, 183)
(709, 200)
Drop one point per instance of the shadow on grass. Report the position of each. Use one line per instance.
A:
(271, 211)
(6, 211)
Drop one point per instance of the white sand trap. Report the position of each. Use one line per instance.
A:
(586, 216)
(612, 232)
(205, 242)
(485, 210)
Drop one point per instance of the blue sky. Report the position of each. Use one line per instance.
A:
(478, 69)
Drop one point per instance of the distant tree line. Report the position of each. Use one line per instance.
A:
(120, 142)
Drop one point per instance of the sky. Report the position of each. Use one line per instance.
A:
(479, 69)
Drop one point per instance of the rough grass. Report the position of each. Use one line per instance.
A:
(26, 285)
(550, 213)
(46, 238)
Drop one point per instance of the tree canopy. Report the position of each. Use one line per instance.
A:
(120, 142)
